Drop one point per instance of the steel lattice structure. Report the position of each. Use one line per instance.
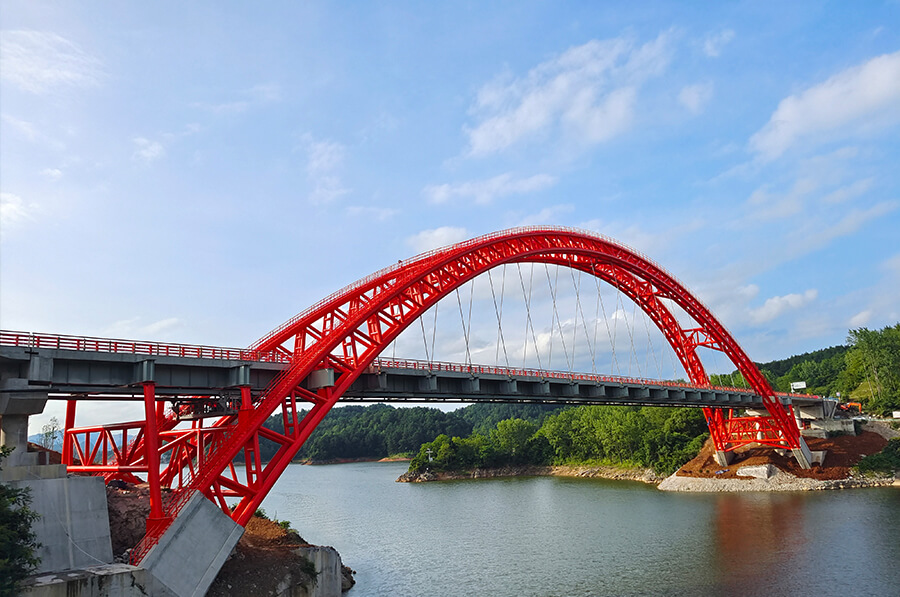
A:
(346, 331)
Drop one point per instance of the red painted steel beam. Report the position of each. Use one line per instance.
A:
(347, 330)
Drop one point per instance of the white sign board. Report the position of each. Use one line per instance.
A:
(897, 414)
(798, 385)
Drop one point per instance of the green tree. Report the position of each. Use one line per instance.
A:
(511, 439)
(874, 360)
(50, 433)
(17, 541)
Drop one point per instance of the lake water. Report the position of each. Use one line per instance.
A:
(546, 536)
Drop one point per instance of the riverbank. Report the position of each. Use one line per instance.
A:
(269, 559)
(752, 469)
(352, 460)
(600, 472)
(778, 481)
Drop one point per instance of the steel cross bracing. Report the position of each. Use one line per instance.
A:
(346, 331)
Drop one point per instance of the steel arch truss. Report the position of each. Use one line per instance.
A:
(347, 330)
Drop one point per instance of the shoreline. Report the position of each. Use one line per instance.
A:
(779, 481)
(597, 472)
(350, 460)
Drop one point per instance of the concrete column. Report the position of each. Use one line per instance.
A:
(14, 434)
(724, 458)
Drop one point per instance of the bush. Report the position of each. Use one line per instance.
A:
(17, 541)
(885, 462)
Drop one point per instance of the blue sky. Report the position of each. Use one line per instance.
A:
(200, 172)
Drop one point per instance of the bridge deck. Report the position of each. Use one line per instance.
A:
(64, 367)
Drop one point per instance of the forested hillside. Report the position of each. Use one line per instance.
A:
(379, 430)
(867, 370)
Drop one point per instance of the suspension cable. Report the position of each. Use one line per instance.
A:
(462, 322)
(529, 324)
(562, 337)
(580, 309)
(497, 311)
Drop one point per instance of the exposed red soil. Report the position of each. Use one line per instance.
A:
(842, 453)
(263, 559)
(45, 455)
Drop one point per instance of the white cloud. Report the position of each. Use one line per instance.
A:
(254, 96)
(36, 61)
(133, 329)
(52, 173)
(13, 211)
(777, 305)
(485, 191)
(860, 319)
(847, 225)
(766, 205)
(548, 215)
(161, 326)
(892, 264)
(713, 44)
(695, 97)
(375, 213)
(147, 151)
(855, 100)
(438, 237)
(849, 192)
(588, 93)
(323, 159)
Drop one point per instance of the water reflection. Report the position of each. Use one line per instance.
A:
(758, 536)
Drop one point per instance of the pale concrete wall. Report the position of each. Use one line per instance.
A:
(191, 552)
(74, 524)
(328, 565)
(113, 580)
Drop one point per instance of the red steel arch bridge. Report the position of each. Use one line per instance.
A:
(219, 398)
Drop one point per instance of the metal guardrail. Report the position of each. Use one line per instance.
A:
(114, 345)
(119, 346)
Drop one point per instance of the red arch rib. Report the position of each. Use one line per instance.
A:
(348, 329)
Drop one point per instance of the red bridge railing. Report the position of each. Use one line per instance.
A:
(60, 342)
(113, 345)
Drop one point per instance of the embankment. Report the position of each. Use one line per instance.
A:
(602, 472)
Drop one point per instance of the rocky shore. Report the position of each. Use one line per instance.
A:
(756, 469)
(601, 472)
(779, 481)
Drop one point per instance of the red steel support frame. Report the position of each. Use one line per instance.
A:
(151, 448)
(347, 330)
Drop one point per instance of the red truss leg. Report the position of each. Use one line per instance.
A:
(346, 331)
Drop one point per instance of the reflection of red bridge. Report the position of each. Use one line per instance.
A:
(328, 353)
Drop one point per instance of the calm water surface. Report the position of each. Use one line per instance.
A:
(556, 536)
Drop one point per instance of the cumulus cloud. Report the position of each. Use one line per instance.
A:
(147, 151)
(860, 319)
(324, 158)
(437, 237)
(777, 305)
(713, 44)
(485, 191)
(588, 93)
(13, 210)
(36, 61)
(695, 97)
(855, 100)
(52, 173)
